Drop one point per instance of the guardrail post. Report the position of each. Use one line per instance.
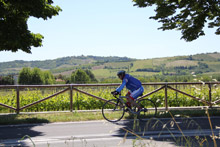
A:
(18, 100)
(71, 98)
(166, 106)
(210, 95)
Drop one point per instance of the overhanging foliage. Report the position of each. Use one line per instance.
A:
(14, 33)
(189, 16)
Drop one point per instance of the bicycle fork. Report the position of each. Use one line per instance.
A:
(117, 104)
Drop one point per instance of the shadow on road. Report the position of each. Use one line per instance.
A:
(182, 131)
(17, 132)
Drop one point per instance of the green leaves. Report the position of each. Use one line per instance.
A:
(188, 16)
(80, 76)
(35, 76)
(14, 33)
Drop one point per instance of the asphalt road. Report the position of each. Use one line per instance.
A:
(155, 132)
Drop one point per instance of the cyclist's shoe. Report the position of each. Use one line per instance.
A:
(142, 110)
(127, 109)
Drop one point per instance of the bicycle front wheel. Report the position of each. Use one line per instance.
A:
(113, 110)
(149, 107)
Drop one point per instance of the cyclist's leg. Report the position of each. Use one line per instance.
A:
(134, 95)
(128, 99)
(132, 102)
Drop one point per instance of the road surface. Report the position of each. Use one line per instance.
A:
(157, 132)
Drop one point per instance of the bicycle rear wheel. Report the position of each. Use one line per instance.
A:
(113, 110)
(150, 109)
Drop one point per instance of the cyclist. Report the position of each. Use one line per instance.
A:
(133, 85)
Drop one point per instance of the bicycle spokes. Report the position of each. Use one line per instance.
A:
(148, 110)
(113, 110)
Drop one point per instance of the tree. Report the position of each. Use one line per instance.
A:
(80, 77)
(14, 33)
(203, 65)
(37, 77)
(48, 77)
(189, 16)
(7, 80)
(25, 76)
(91, 76)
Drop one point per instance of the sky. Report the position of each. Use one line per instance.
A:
(108, 28)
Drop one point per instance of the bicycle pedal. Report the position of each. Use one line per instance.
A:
(142, 110)
(127, 109)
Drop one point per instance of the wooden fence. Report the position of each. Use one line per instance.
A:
(75, 87)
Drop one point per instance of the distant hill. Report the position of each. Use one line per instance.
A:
(106, 67)
(60, 64)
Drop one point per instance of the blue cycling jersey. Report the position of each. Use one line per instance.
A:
(130, 82)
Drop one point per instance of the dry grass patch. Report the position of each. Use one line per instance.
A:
(184, 63)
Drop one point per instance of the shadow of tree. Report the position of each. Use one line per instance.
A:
(9, 130)
(182, 131)
(13, 119)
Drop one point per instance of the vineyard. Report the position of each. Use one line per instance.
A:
(82, 101)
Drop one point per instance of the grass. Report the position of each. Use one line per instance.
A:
(190, 113)
(11, 119)
(49, 117)
(185, 63)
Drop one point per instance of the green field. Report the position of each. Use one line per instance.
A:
(83, 102)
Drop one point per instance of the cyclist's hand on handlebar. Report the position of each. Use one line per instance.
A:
(114, 93)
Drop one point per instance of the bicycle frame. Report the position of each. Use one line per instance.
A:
(119, 104)
(120, 98)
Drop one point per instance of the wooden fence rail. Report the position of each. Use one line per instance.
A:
(74, 87)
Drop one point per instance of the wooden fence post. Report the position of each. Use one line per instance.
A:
(71, 98)
(18, 100)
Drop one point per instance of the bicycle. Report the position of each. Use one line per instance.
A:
(113, 110)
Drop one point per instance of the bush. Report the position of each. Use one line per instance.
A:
(6, 80)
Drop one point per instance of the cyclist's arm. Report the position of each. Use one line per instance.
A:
(119, 89)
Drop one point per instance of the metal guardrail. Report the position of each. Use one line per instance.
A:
(74, 87)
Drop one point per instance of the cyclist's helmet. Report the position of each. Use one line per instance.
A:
(121, 73)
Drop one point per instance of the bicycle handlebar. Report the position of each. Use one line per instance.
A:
(114, 93)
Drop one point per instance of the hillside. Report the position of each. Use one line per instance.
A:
(106, 67)
(60, 64)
